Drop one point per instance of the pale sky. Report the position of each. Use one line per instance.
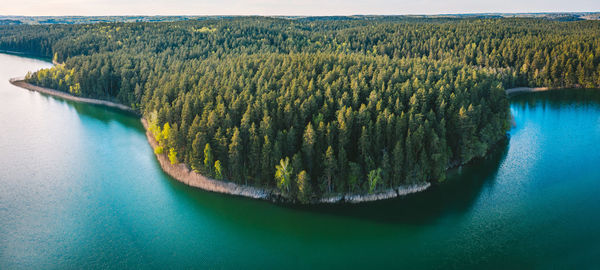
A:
(286, 7)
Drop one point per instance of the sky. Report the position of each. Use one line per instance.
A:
(287, 7)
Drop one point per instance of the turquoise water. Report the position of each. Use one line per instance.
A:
(80, 188)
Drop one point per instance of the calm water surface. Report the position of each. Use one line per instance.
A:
(80, 188)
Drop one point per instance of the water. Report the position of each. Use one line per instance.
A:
(80, 188)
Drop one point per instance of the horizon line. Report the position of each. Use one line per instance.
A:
(300, 15)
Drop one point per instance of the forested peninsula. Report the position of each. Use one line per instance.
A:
(316, 108)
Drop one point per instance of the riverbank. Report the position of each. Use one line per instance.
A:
(526, 90)
(518, 90)
(182, 172)
(20, 82)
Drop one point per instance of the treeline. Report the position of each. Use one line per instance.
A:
(312, 106)
(539, 52)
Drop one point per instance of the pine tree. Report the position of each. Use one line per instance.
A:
(308, 142)
(208, 159)
(235, 157)
(218, 170)
(303, 184)
(330, 167)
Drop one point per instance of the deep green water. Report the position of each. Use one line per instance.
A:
(80, 188)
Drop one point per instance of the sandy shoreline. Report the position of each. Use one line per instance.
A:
(182, 173)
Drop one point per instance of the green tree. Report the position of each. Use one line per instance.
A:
(308, 142)
(354, 176)
(330, 165)
(235, 156)
(265, 161)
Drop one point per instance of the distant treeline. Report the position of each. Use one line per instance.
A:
(317, 106)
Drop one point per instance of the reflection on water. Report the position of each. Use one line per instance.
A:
(556, 99)
(101, 113)
(456, 194)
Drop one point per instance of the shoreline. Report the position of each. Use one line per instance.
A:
(516, 90)
(182, 173)
(524, 89)
(20, 82)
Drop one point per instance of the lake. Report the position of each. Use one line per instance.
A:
(81, 188)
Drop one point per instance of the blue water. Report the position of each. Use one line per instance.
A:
(80, 188)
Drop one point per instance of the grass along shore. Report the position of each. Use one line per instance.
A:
(182, 173)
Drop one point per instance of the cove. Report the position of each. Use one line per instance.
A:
(81, 188)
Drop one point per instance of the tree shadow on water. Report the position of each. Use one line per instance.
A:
(557, 98)
(455, 195)
(101, 113)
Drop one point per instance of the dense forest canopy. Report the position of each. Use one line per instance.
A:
(315, 106)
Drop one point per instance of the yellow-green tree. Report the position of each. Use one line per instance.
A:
(303, 183)
(173, 156)
(374, 178)
(283, 173)
(218, 170)
(208, 158)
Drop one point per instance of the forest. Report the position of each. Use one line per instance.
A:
(315, 106)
